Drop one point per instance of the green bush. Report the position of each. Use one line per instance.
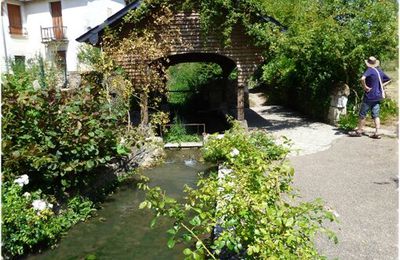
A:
(389, 110)
(348, 122)
(249, 199)
(56, 137)
(29, 222)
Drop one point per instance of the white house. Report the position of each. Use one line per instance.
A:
(49, 28)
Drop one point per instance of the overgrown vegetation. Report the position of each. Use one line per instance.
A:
(178, 133)
(389, 112)
(33, 220)
(245, 206)
(309, 45)
(54, 139)
(185, 80)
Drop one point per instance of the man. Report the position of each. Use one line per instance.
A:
(373, 81)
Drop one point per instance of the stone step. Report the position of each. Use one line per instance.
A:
(183, 145)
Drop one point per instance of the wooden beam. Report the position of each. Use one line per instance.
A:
(240, 102)
(144, 109)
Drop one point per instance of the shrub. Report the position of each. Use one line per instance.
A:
(29, 221)
(57, 137)
(246, 207)
(349, 121)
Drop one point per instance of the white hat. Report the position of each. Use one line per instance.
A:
(372, 62)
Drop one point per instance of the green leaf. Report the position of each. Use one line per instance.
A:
(198, 244)
(172, 231)
(289, 222)
(143, 205)
(90, 164)
(187, 251)
(171, 243)
(153, 222)
(195, 221)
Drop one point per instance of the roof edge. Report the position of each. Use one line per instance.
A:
(93, 35)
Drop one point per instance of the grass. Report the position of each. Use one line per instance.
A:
(178, 133)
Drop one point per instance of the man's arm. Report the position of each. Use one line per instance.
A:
(387, 82)
(364, 85)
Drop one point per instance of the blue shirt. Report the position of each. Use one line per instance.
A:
(372, 81)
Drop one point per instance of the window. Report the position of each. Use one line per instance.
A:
(15, 19)
(18, 65)
(19, 59)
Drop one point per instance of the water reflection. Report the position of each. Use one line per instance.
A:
(121, 230)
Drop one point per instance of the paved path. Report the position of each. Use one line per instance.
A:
(357, 177)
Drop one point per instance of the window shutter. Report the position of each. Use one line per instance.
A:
(15, 19)
(56, 13)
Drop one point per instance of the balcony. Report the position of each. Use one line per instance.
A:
(54, 34)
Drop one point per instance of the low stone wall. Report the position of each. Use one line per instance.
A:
(145, 156)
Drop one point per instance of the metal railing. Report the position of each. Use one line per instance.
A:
(50, 34)
(191, 128)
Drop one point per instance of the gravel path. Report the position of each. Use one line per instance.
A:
(307, 136)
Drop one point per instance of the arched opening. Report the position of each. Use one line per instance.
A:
(201, 89)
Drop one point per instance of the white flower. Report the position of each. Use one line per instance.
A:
(234, 152)
(225, 171)
(39, 205)
(122, 141)
(22, 180)
(49, 205)
(220, 136)
(26, 194)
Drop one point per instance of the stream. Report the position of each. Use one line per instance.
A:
(120, 230)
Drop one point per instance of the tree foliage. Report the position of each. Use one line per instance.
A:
(326, 43)
(309, 45)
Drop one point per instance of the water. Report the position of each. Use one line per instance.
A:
(121, 230)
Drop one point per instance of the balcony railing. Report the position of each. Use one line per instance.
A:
(50, 34)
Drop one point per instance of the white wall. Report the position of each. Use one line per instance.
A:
(78, 17)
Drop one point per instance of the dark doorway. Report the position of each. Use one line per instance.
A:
(197, 95)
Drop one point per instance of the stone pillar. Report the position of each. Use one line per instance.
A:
(338, 103)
